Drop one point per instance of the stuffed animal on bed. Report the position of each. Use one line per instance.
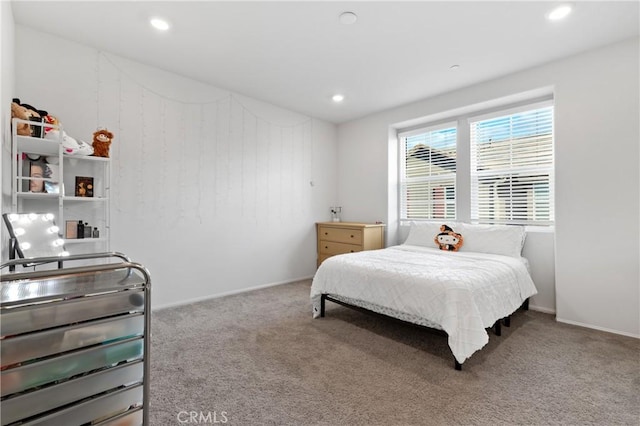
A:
(448, 240)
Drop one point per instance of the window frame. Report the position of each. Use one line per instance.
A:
(401, 137)
(460, 118)
(547, 169)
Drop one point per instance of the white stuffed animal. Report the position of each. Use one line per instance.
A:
(70, 146)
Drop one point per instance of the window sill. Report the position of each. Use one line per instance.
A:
(540, 229)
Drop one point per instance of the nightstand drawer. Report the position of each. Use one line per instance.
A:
(341, 235)
(330, 247)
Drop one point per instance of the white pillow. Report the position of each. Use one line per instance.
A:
(506, 240)
(423, 233)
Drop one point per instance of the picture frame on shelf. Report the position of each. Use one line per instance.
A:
(71, 229)
(84, 186)
(37, 172)
(37, 131)
(53, 171)
(44, 177)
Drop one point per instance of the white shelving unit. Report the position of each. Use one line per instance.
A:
(61, 200)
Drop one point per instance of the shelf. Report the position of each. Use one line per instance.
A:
(84, 199)
(38, 145)
(26, 178)
(84, 240)
(36, 195)
(60, 198)
(86, 158)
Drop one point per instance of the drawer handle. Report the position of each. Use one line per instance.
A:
(326, 247)
(326, 233)
(352, 251)
(352, 236)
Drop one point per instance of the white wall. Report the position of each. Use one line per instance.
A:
(597, 240)
(7, 29)
(593, 277)
(211, 190)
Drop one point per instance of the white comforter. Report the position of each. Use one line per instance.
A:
(463, 293)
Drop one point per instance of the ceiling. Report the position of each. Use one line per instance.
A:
(297, 54)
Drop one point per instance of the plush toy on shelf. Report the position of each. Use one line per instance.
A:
(31, 113)
(101, 142)
(70, 146)
(18, 111)
(50, 119)
(35, 112)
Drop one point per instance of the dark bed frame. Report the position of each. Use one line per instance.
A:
(496, 327)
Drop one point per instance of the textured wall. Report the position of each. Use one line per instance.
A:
(213, 191)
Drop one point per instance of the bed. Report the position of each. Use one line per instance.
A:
(460, 292)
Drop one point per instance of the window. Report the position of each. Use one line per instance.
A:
(428, 173)
(497, 167)
(512, 167)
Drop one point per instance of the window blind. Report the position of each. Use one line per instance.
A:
(428, 173)
(512, 178)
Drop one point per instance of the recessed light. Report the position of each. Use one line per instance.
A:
(559, 12)
(348, 18)
(159, 24)
(337, 98)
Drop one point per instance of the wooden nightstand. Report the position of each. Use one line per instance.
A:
(348, 237)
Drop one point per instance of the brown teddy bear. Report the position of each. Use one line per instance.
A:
(27, 112)
(18, 111)
(101, 143)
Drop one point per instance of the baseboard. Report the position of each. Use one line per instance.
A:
(542, 309)
(226, 293)
(595, 327)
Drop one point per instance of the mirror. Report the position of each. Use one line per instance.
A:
(34, 235)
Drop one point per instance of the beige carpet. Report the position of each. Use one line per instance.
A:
(259, 358)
